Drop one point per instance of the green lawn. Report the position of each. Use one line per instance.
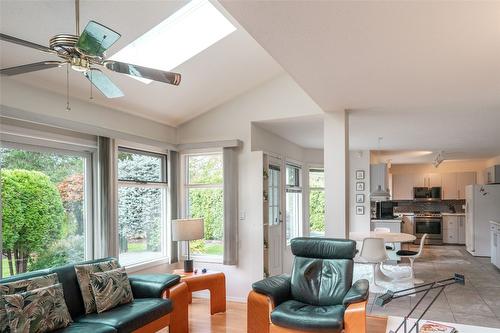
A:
(136, 247)
(5, 267)
(214, 249)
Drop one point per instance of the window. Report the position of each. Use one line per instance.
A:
(187, 32)
(293, 202)
(316, 202)
(142, 206)
(274, 195)
(205, 199)
(47, 208)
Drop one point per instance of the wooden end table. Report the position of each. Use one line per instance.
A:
(213, 281)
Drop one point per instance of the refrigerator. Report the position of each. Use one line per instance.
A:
(482, 205)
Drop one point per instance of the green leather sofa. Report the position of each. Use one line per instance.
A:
(148, 304)
(319, 295)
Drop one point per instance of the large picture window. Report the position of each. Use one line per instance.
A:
(205, 199)
(46, 207)
(316, 202)
(293, 199)
(142, 206)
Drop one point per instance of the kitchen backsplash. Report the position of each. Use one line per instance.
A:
(443, 206)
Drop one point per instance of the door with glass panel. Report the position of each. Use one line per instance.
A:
(275, 229)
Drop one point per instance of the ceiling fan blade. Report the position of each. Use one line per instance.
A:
(103, 83)
(23, 42)
(144, 72)
(96, 39)
(37, 66)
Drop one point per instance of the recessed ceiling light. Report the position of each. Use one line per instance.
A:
(189, 31)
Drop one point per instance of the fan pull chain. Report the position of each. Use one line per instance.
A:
(67, 89)
(91, 82)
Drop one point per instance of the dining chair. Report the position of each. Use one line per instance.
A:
(412, 255)
(388, 246)
(373, 252)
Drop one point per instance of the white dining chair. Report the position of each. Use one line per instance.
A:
(373, 252)
(412, 255)
(388, 246)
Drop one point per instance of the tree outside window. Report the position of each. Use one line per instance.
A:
(317, 202)
(205, 199)
(43, 207)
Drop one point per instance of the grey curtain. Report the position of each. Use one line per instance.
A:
(107, 197)
(230, 158)
(173, 178)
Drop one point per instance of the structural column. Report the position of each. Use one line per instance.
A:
(336, 163)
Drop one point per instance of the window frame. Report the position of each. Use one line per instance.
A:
(297, 187)
(166, 216)
(184, 195)
(310, 188)
(90, 188)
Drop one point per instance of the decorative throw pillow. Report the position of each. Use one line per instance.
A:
(83, 276)
(19, 287)
(111, 289)
(37, 311)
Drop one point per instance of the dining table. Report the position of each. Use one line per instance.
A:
(388, 237)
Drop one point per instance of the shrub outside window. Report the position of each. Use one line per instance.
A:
(316, 202)
(46, 207)
(205, 199)
(142, 206)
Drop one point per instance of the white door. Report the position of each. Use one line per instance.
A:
(275, 245)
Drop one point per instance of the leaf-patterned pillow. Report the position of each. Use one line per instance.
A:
(37, 311)
(111, 289)
(20, 286)
(83, 276)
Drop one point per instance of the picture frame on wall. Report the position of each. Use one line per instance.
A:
(360, 198)
(360, 210)
(360, 186)
(360, 174)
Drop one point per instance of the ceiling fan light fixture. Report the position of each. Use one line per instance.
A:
(80, 64)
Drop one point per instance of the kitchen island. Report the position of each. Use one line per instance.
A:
(394, 225)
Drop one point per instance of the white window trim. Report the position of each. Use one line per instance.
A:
(183, 193)
(166, 221)
(302, 225)
(307, 225)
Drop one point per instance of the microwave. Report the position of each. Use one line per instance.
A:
(427, 193)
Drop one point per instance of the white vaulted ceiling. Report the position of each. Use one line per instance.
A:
(226, 69)
(382, 54)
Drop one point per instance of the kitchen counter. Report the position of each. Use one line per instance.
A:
(398, 220)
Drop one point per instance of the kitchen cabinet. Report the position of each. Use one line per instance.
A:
(461, 230)
(407, 224)
(450, 229)
(449, 190)
(402, 186)
(428, 180)
(464, 179)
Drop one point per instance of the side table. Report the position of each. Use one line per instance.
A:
(213, 281)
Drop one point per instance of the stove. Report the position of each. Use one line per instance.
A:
(430, 223)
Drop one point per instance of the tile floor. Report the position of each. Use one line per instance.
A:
(475, 303)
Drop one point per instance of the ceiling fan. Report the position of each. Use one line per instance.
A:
(85, 52)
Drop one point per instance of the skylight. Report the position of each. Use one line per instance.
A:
(190, 30)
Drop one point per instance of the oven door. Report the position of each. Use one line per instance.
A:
(432, 226)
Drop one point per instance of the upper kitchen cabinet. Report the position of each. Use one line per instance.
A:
(464, 179)
(449, 189)
(402, 186)
(428, 180)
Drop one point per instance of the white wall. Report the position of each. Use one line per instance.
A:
(29, 103)
(359, 160)
(277, 98)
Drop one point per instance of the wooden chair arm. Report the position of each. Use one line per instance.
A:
(355, 318)
(259, 309)
(179, 295)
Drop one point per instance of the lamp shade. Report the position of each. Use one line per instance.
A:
(187, 229)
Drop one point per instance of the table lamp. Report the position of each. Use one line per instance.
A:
(187, 230)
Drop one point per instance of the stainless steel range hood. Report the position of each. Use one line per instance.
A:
(379, 182)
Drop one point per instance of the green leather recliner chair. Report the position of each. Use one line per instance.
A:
(318, 296)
